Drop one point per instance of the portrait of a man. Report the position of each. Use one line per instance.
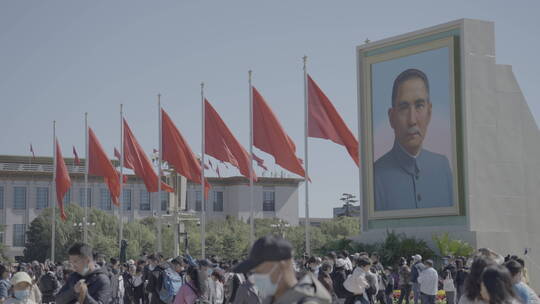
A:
(409, 176)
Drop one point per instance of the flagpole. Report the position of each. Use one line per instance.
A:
(85, 227)
(53, 217)
(203, 198)
(121, 211)
(306, 181)
(160, 246)
(251, 207)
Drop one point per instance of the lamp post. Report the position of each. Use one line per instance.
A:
(280, 225)
(81, 225)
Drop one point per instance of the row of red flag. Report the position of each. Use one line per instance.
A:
(268, 135)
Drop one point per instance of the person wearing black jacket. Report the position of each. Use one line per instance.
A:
(339, 275)
(48, 285)
(88, 284)
(155, 279)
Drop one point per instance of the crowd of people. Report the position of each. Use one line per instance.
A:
(269, 274)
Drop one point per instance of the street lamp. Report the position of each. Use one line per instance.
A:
(80, 225)
(281, 224)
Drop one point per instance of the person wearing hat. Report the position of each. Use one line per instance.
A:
(21, 283)
(271, 264)
(416, 268)
(88, 284)
(429, 283)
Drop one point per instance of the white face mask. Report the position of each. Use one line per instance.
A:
(84, 271)
(264, 284)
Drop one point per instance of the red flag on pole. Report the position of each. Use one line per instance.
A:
(32, 150)
(62, 180)
(77, 160)
(260, 161)
(221, 143)
(325, 122)
(100, 165)
(127, 162)
(176, 151)
(270, 137)
(134, 156)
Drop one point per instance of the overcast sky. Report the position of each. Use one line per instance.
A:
(59, 59)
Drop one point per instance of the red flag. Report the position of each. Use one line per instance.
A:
(134, 156)
(127, 162)
(221, 143)
(324, 121)
(77, 160)
(260, 161)
(269, 136)
(100, 165)
(62, 180)
(176, 151)
(32, 150)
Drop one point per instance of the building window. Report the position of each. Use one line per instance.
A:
(145, 200)
(1, 197)
(198, 201)
(218, 201)
(19, 198)
(105, 199)
(1, 237)
(42, 198)
(67, 197)
(126, 200)
(19, 233)
(164, 201)
(82, 197)
(269, 199)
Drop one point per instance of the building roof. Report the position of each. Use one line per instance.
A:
(41, 167)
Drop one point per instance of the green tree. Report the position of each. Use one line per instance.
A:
(448, 246)
(103, 237)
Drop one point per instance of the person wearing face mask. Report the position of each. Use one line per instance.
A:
(207, 268)
(156, 268)
(4, 283)
(270, 261)
(129, 284)
(117, 281)
(21, 284)
(88, 284)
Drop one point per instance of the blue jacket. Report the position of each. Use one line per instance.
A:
(4, 287)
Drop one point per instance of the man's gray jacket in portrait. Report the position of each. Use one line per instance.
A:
(406, 182)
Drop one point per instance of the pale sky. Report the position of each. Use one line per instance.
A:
(59, 59)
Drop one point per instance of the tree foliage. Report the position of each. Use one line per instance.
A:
(448, 246)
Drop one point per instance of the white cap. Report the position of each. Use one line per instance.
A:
(417, 257)
(340, 263)
(21, 277)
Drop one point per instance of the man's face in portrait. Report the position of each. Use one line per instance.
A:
(410, 114)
